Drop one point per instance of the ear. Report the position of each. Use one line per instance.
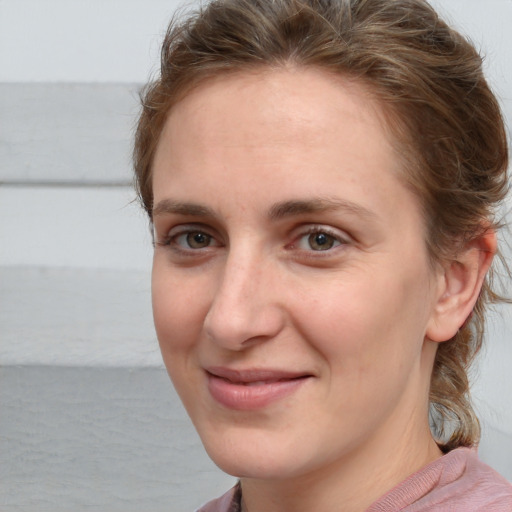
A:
(459, 283)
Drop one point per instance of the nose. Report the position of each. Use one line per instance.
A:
(246, 309)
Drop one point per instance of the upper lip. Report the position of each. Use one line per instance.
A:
(254, 374)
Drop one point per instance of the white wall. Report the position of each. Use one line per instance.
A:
(75, 251)
(117, 41)
(81, 41)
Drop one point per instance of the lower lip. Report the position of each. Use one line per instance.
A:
(245, 398)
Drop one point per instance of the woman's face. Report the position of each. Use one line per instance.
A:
(292, 291)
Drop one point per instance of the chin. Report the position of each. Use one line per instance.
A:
(252, 466)
(242, 453)
(259, 455)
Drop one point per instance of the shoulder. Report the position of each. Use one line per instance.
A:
(482, 487)
(229, 502)
(456, 482)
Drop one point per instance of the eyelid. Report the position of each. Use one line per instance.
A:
(184, 229)
(339, 235)
(297, 235)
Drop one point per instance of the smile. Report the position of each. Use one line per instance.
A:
(252, 389)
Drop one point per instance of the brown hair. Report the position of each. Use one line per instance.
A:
(447, 123)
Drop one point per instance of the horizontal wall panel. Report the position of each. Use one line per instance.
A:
(114, 440)
(70, 317)
(108, 440)
(73, 133)
(491, 381)
(81, 40)
(118, 40)
(73, 227)
(93, 227)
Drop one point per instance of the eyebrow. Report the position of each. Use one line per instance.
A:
(169, 206)
(318, 205)
(278, 211)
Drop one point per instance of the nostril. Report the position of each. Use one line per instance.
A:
(242, 327)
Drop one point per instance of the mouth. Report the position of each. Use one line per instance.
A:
(253, 388)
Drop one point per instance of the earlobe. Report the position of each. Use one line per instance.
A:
(459, 283)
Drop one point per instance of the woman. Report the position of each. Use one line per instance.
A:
(321, 176)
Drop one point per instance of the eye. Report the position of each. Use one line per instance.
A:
(193, 240)
(319, 240)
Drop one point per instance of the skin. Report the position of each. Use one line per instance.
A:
(249, 167)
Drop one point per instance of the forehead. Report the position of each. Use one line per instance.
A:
(274, 133)
(308, 101)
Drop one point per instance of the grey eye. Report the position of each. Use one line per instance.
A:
(194, 240)
(321, 241)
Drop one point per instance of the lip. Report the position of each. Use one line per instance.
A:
(252, 389)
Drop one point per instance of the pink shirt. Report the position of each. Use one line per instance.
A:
(456, 482)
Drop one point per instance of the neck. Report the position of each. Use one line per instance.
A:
(354, 482)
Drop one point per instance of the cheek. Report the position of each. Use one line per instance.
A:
(178, 310)
(367, 322)
(369, 335)
(177, 317)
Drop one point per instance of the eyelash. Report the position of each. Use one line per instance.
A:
(337, 239)
(171, 240)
